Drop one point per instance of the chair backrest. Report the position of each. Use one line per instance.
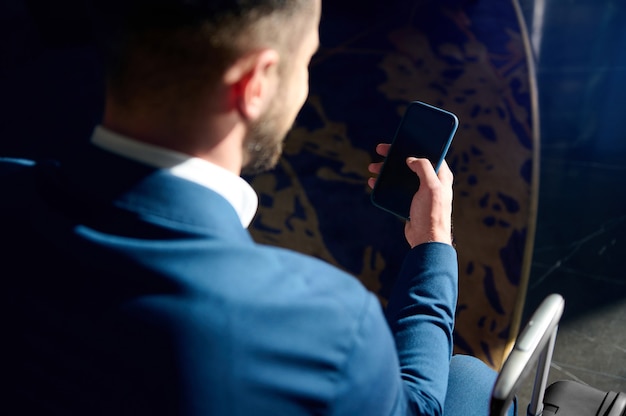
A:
(535, 344)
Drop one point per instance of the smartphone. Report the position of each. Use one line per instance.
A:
(425, 131)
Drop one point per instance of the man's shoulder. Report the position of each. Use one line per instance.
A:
(310, 273)
(259, 285)
(259, 273)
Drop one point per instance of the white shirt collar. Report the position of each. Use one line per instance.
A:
(232, 187)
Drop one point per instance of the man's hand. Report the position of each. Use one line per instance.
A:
(431, 208)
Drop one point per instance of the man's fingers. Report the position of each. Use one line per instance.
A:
(383, 148)
(431, 208)
(375, 167)
(423, 168)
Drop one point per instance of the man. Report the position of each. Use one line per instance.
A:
(133, 285)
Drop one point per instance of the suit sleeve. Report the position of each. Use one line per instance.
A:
(402, 368)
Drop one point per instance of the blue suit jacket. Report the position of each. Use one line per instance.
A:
(131, 291)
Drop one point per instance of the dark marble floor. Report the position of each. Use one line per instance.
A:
(580, 244)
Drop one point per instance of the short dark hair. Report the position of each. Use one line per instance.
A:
(174, 48)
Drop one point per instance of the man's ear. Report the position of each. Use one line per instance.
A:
(253, 81)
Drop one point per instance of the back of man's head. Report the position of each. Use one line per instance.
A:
(176, 48)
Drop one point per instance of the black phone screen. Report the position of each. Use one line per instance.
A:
(424, 131)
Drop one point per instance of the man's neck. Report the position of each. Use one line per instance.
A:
(215, 138)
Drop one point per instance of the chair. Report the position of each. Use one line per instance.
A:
(535, 345)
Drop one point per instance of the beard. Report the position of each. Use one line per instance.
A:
(263, 145)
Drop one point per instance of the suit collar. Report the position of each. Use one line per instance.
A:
(231, 186)
(99, 185)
